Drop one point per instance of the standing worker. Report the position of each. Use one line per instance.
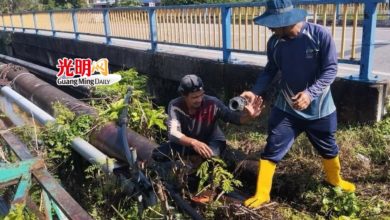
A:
(305, 55)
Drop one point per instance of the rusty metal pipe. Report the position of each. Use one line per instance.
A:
(40, 92)
(44, 95)
(89, 152)
(41, 71)
(107, 139)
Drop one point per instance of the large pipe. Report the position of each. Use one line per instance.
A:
(44, 95)
(43, 72)
(85, 149)
(40, 92)
(107, 139)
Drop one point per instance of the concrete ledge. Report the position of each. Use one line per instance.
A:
(359, 101)
(356, 101)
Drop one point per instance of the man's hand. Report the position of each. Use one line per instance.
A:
(301, 100)
(249, 96)
(253, 110)
(253, 107)
(201, 148)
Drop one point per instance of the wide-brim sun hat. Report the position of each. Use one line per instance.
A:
(280, 13)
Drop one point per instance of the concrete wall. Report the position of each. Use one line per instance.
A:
(360, 101)
(356, 101)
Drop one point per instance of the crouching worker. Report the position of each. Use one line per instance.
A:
(192, 121)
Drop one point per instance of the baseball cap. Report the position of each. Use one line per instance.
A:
(190, 83)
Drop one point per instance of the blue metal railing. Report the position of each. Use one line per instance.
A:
(148, 29)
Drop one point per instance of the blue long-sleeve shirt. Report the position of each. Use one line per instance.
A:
(307, 63)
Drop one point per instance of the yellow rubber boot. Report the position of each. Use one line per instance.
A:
(264, 184)
(332, 171)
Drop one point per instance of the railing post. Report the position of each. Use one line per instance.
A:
(12, 23)
(52, 24)
(35, 22)
(107, 30)
(75, 25)
(153, 28)
(369, 25)
(21, 21)
(226, 33)
(337, 13)
(4, 27)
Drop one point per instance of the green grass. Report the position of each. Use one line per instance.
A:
(298, 186)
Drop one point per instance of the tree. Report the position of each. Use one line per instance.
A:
(15, 6)
(120, 3)
(65, 4)
(190, 2)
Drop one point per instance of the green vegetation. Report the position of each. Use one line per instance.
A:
(214, 170)
(144, 117)
(191, 2)
(299, 190)
(16, 6)
(104, 197)
(332, 202)
(19, 212)
(57, 136)
(124, 3)
(94, 189)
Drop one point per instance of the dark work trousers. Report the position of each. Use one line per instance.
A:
(283, 128)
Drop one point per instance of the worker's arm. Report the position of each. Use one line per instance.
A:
(175, 135)
(328, 67)
(265, 78)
